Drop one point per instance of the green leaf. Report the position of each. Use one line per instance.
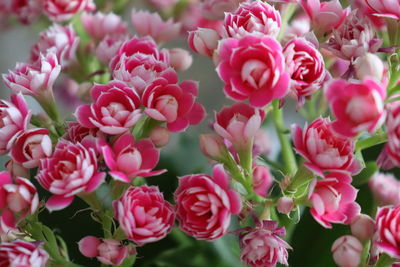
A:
(128, 262)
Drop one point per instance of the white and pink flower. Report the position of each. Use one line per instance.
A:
(385, 8)
(22, 253)
(215, 9)
(387, 223)
(26, 11)
(109, 46)
(99, 25)
(61, 10)
(385, 189)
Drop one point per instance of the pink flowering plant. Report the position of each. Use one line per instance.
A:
(131, 157)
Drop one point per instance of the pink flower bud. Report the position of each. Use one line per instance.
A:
(180, 59)
(15, 169)
(347, 251)
(212, 146)
(285, 205)
(88, 246)
(203, 41)
(159, 136)
(385, 189)
(362, 227)
(369, 66)
(262, 180)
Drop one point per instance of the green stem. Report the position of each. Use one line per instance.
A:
(365, 254)
(371, 141)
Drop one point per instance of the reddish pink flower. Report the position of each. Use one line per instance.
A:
(114, 111)
(347, 251)
(61, 40)
(71, 170)
(205, 204)
(262, 246)
(333, 199)
(239, 124)
(14, 118)
(215, 9)
(253, 68)
(323, 149)
(387, 223)
(21, 253)
(356, 106)
(306, 67)
(88, 137)
(385, 8)
(31, 146)
(144, 215)
(26, 11)
(252, 18)
(389, 157)
(364, 10)
(165, 100)
(127, 159)
(99, 25)
(203, 41)
(61, 10)
(262, 180)
(108, 47)
(385, 188)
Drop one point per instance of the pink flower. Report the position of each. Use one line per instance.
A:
(347, 251)
(127, 159)
(385, 188)
(333, 199)
(61, 10)
(31, 146)
(356, 106)
(389, 157)
(100, 25)
(180, 59)
(215, 9)
(31, 80)
(114, 111)
(239, 124)
(353, 38)
(88, 137)
(71, 170)
(108, 47)
(14, 118)
(252, 18)
(61, 40)
(203, 41)
(162, 4)
(323, 149)
(144, 215)
(385, 8)
(212, 146)
(165, 100)
(107, 251)
(298, 27)
(262, 246)
(26, 11)
(205, 204)
(159, 136)
(151, 24)
(15, 169)
(253, 68)
(387, 223)
(370, 66)
(262, 180)
(285, 205)
(21, 253)
(306, 67)
(364, 10)
(363, 227)
(262, 143)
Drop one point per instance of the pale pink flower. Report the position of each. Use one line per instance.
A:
(262, 246)
(21, 253)
(252, 18)
(114, 111)
(180, 59)
(370, 66)
(205, 204)
(253, 68)
(127, 159)
(192, 18)
(387, 223)
(357, 106)
(333, 199)
(62, 10)
(323, 149)
(215, 9)
(14, 118)
(298, 27)
(108, 47)
(144, 215)
(99, 25)
(60, 40)
(363, 227)
(162, 4)
(262, 180)
(203, 41)
(26, 11)
(31, 146)
(71, 170)
(151, 24)
(173, 103)
(347, 251)
(159, 136)
(385, 188)
(385, 8)
(306, 68)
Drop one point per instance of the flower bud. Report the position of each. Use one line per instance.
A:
(15, 169)
(369, 65)
(180, 59)
(285, 205)
(159, 136)
(203, 41)
(362, 227)
(347, 251)
(212, 146)
(88, 246)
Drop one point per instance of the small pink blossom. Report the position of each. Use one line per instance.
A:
(88, 137)
(108, 47)
(26, 11)
(151, 24)
(262, 180)
(180, 59)
(298, 27)
(144, 215)
(173, 103)
(61, 10)
(21, 253)
(71, 170)
(114, 111)
(203, 41)
(31, 146)
(205, 204)
(385, 8)
(163, 4)
(215, 9)
(333, 199)
(192, 18)
(127, 159)
(99, 25)
(253, 68)
(212, 146)
(364, 10)
(285, 205)
(347, 251)
(385, 189)
(252, 18)
(370, 66)
(357, 106)
(323, 149)
(387, 223)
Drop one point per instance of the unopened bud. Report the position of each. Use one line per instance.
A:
(347, 251)
(180, 59)
(362, 227)
(212, 146)
(203, 41)
(159, 136)
(285, 205)
(369, 65)
(16, 169)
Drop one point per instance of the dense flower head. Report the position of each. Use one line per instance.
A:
(26, 11)
(215, 9)
(144, 215)
(255, 18)
(204, 204)
(61, 10)
(114, 111)
(72, 169)
(21, 253)
(388, 227)
(385, 8)
(323, 149)
(253, 68)
(99, 25)
(385, 189)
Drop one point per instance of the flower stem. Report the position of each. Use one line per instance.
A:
(384, 261)
(371, 141)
